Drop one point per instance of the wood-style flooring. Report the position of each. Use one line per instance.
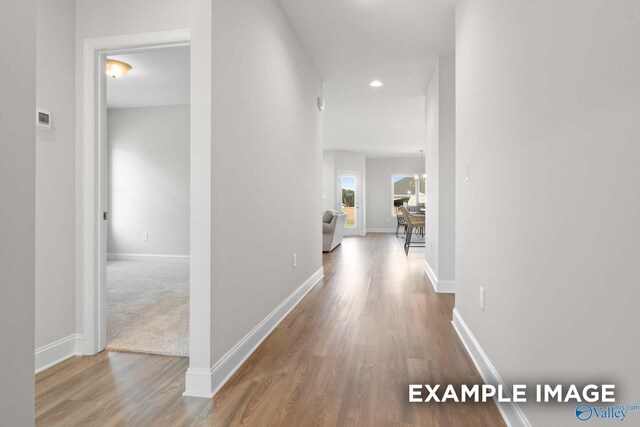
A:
(343, 357)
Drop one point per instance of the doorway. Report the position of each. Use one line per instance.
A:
(95, 180)
(349, 200)
(147, 138)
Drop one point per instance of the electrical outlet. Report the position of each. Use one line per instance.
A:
(295, 260)
(482, 296)
(145, 236)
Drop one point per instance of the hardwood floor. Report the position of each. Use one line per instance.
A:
(344, 356)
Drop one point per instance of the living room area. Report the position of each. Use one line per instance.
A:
(363, 195)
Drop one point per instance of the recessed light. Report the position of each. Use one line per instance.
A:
(375, 83)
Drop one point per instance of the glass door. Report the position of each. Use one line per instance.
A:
(348, 201)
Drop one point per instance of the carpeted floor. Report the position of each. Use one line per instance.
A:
(148, 307)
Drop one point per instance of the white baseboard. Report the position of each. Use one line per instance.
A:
(206, 382)
(381, 230)
(199, 383)
(58, 351)
(511, 412)
(440, 286)
(150, 257)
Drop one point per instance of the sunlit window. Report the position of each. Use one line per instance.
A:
(404, 192)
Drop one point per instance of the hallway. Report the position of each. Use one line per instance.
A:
(344, 356)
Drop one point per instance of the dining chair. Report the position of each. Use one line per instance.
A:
(402, 222)
(414, 223)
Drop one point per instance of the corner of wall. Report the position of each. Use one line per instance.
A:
(440, 286)
(206, 383)
(58, 351)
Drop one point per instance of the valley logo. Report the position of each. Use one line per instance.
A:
(586, 412)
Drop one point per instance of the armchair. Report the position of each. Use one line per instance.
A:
(333, 224)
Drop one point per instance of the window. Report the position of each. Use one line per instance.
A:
(404, 191)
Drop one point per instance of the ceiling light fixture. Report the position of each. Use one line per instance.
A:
(117, 69)
(375, 83)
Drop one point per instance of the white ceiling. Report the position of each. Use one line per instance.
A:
(158, 77)
(353, 42)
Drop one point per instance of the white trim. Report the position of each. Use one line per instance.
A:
(142, 41)
(58, 351)
(206, 383)
(94, 175)
(510, 411)
(147, 257)
(381, 230)
(440, 286)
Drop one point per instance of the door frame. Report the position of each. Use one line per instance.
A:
(94, 174)
(358, 230)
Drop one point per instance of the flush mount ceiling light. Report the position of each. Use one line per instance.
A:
(117, 69)
(375, 83)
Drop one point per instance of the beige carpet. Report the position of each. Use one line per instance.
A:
(148, 307)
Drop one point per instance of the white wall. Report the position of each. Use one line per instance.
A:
(447, 168)
(95, 19)
(379, 189)
(349, 161)
(547, 117)
(328, 180)
(432, 169)
(267, 166)
(55, 161)
(440, 169)
(149, 180)
(17, 210)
